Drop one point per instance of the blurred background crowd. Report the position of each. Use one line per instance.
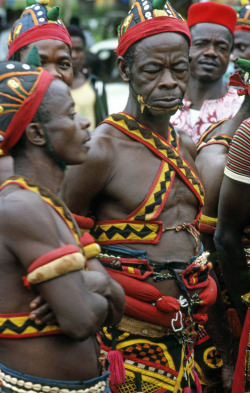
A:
(98, 21)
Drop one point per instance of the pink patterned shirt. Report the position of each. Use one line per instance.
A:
(210, 112)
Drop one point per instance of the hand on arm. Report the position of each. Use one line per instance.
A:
(78, 310)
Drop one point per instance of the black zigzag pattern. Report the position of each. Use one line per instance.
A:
(158, 195)
(132, 125)
(125, 233)
(8, 324)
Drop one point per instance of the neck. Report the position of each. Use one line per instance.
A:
(41, 169)
(198, 91)
(155, 120)
(78, 80)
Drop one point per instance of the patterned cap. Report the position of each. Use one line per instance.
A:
(243, 20)
(22, 89)
(37, 22)
(146, 18)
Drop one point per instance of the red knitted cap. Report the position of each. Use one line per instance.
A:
(210, 12)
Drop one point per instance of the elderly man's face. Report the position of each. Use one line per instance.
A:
(210, 51)
(160, 71)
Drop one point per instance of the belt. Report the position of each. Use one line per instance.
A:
(21, 386)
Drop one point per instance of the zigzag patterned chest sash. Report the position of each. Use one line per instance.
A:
(140, 226)
(19, 325)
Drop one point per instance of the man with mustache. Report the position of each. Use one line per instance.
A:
(207, 98)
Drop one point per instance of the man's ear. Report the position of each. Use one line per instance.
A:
(35, 134)
(123, 69)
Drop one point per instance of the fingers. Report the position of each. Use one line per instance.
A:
(42, 315)
(37, 302)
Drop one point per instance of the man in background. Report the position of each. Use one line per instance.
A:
(88, 91)
(207, 98)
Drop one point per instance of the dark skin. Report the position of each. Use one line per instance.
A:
(210, 53)
(160, 74)
(241, 48)
(214, 157)
(233, 217)
(81, 300)
(77, 55)
(55, 58)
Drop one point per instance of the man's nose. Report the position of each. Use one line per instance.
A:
(210, 51)
(167, 79)
(83, 122)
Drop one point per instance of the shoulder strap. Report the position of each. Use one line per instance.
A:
(51, 199)
(161, 148)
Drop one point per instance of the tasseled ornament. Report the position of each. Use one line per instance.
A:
(53, 14)
(187, 390)
(197, 381)
(116, 367)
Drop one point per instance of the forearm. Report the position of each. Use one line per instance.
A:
(113, 293)
(235, 271)
(218, 327)
(116, 304)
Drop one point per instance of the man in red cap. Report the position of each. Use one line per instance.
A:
(207, 98)
(41, 248)
(140, 182)
(39, 25)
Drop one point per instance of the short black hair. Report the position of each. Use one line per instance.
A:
(75, 31)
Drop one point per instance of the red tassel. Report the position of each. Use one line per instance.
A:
(197, 381)
(116, 368)
(187, 390)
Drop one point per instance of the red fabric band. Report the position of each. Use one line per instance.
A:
(149, 313)
(40, 32)
(207, 229)
(243, 28)
(160, 24)
(52, 255)
(84, 222)
(25, 114)
(86, 239)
